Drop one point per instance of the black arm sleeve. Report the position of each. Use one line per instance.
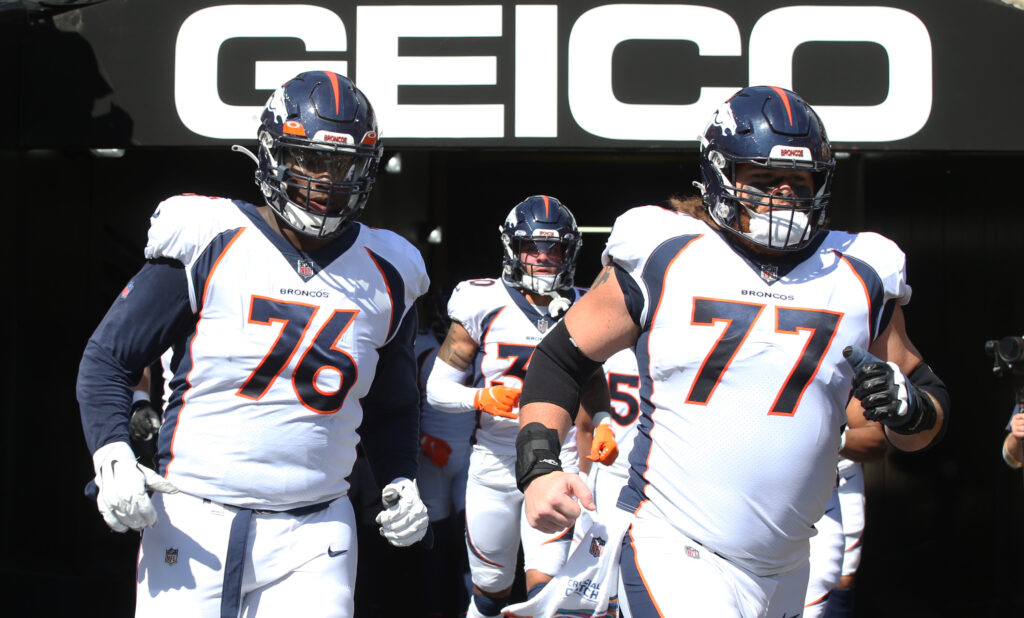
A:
(558, 370)
(151, 312)
(391, 426)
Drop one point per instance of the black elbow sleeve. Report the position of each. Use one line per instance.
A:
(557, 372)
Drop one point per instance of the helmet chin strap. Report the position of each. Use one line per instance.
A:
(558, 305)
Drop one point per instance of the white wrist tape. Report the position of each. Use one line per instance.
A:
(445, 391)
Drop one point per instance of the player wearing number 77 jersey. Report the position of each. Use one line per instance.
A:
(296, 324)
(749, 322)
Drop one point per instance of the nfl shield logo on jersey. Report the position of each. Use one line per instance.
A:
(692, 552)
(304, 268)
(597, 546)
(770, 273)
(171, 555)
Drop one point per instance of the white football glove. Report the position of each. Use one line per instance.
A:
(123, 483)
(404, 519)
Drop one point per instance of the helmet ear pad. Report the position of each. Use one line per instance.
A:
(770, 128)
(539, 219)
(319, 151)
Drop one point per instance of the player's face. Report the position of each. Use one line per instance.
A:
(770, 184)
(318, 166)
(544, 257)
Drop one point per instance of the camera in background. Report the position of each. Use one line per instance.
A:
(1007, 355)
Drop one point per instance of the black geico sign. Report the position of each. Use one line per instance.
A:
(570, 75)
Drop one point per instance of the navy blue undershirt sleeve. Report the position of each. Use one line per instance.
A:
(391, 427)
(630, 292)
(151, 313)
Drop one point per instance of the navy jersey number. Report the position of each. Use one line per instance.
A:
(321, 354)
(520, 355)
(616, 382)
(740, 318)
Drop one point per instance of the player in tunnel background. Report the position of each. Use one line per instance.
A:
(496, 325)
(299, 322)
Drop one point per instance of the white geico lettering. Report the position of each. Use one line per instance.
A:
(902, 35)
(594, 38)
(200, 38)
(592, 41)
(381, 70)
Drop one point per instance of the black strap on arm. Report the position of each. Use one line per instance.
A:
(537, 449)
(558, 370)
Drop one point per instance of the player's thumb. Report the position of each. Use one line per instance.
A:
(155, 482)
(858, 356)
(581, 491)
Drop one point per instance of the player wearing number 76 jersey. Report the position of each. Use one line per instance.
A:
(750, 323)
(296, 324)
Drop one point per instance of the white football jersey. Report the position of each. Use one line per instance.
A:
(507, 328)
(743, 381)
(265, 401)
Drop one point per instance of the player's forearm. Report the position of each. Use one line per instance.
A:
(547, 414)
(919, 441)
(1013, 453)
(445, 391)
(864, 444)
(104, 397)
(390, 429)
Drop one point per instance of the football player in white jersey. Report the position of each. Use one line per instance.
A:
(752, 324)
(496, 325)
(296, 325)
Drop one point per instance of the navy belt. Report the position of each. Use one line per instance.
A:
(234, 560)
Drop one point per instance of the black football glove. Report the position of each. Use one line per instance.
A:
(145, 422)
(887, 395)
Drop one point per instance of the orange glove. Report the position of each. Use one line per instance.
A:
(497, 400)
(436, 449)
(603, 449)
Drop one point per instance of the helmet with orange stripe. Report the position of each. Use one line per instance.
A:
(778, 143)
(541, 243)
(319, 148)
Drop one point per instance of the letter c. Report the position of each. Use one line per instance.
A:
(592, 42)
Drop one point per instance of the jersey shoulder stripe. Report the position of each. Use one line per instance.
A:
(181, 227)
(473, 300)
(403, 257)
(878, 253)
(203, 267)
(639, 230)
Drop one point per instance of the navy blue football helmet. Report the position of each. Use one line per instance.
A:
(319, 148)
(775, 129)
(540, 222)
